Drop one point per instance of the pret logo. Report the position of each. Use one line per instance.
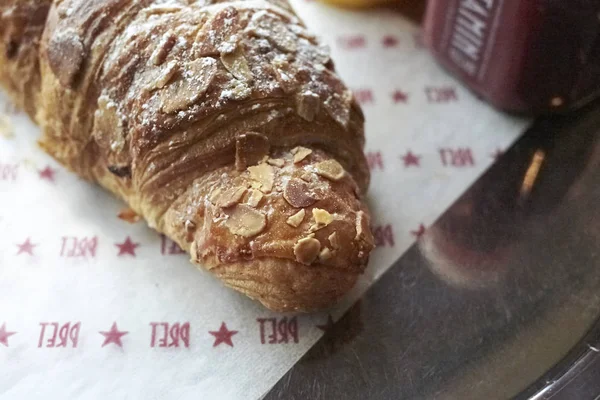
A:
(441, 94)
(364, 96)
(384, 235)
(78, 246)
(375, 160)
(56, 334)
(459, 157)
(165, 334)
(352, 42)
(9, 172)
(278, 330)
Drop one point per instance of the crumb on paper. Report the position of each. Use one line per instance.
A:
(128, 215)
(28, 163)
(6, 127)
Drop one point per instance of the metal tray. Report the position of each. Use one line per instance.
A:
(499, 299)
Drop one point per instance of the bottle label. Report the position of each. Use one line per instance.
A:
(472, 28)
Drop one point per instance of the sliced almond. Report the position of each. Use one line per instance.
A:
(66, 53)
(245, 221)
(322, 217)
(301, 154)
(196, 78)
(164, 47)
(307, 250)
(325, 254)
(296, 219)
(362, 228)
(166, 74)
(276, 162)
(255, 197)
(250, 148)
(236, 64)
(306, 176)
(338, 107)
(215, 195)
(334, 241)
(297, 193)
(274, 29)
(265, 175)
(307, 105)
(330, 169)
(162, 9)
(221, 28)
(231, 197)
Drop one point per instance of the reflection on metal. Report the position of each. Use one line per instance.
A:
(457, 264)
(443, 331)
(532, 172)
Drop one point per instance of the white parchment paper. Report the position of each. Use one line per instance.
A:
(93, 307)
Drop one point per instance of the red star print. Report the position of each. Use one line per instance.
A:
(127, 247)
(419, 232)
(400, 97)
(113, 336)
(389, 41)
(47, 173)
(327, 325)
(4, 335)
(411, 159)
(223, 335)
(26, 247)
(497, 154)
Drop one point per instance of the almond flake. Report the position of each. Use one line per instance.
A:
(254, 198)
(215, 195)
(276, 162)
(245, 221)
(297, 193)
(325, 254)
(338, 107)
(308, 105)
(306, 250)
(296, 219)
(333, 240)
(236, 64)
(274, 29)
(194, 82)
(306, 176)
(301, 154)
(362, 228)
(265, 175)
(165, 75)
(322, 217)
(231, 197)
(164, 47)
(330, 169)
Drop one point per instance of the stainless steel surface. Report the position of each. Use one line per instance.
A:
(499, 299)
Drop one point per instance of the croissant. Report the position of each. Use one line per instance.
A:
(223, 124)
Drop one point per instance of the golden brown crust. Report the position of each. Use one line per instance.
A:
(21, 25)
(222, 123)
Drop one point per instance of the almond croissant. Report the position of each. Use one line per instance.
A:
(222, 123)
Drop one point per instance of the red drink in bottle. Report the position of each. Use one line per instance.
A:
(520, 55)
